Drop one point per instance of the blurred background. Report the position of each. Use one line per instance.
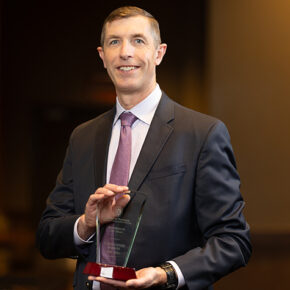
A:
(229, 59)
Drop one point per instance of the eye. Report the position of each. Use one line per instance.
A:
(113, 42)
(139, 41)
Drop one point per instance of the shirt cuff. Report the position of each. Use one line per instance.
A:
(181, 281)
(77, 239)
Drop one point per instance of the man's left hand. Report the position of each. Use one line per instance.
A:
(146, 278)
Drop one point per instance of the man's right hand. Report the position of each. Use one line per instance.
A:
(105, 203)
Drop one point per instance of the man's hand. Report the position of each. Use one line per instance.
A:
(105, 203)
(146, 278)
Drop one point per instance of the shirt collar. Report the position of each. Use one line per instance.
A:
(144, 110)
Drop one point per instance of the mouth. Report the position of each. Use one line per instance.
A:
(127, 68)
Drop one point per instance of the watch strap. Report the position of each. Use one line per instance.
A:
(172, 281)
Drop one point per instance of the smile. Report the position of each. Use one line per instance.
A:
(127, 68)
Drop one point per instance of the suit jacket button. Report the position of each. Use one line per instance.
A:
(88, 285)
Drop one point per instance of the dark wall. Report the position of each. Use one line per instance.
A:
(50, 66)
(52, 80)
(248, 88)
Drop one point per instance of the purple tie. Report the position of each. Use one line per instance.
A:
(119, 176)
(121, 165)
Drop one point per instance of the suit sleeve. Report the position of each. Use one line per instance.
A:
(55, 231)
(219, 207)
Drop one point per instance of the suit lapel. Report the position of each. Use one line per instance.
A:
(102, 141)
(156, 138)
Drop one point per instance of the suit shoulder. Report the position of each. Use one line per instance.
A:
(91, 125)
(195, 117)
(187, 120)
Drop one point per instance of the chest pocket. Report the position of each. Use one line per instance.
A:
(167, 171)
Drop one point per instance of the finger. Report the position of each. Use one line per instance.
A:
(100, 195)
(108, 190)
(112, 282)
(146, 277)
(136, 283)
(139, 281)
(103, 191)
(121, 203)
(116, 188)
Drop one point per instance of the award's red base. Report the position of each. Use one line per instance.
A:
(109, 271)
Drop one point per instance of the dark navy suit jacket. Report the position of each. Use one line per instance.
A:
(193, 211)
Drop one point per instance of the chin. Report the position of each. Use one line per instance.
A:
(128, 88)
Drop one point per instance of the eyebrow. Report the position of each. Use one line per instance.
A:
(112, 36)
(136, 35)
(139, 35)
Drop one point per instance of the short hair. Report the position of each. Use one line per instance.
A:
(130, 11)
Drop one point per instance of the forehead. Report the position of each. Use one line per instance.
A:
(133, 25)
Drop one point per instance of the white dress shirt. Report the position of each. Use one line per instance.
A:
(144, 111)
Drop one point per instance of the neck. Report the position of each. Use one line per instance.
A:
(128, 100)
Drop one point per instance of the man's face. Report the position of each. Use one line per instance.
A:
(130, 55)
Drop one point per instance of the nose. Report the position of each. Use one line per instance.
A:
(126, 50)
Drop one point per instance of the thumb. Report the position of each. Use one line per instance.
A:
(121, 203)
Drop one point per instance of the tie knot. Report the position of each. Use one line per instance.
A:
(127, 119)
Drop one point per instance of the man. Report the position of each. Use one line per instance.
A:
(192, 230)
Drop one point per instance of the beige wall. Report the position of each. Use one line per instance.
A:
(248, 87)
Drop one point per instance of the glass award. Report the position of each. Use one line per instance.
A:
(123, 230)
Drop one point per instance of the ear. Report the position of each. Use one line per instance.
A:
(161, 50)
(101, 55)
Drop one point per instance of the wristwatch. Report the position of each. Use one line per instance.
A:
(172, 281)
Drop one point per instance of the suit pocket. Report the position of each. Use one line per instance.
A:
(167, 171)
